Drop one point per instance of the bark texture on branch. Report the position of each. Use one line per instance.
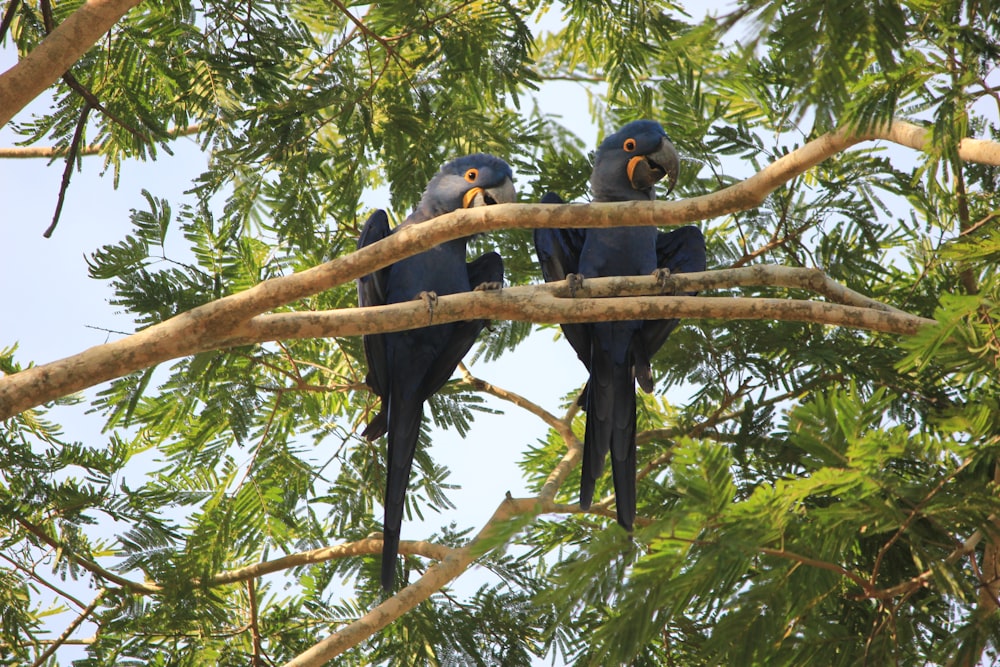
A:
(56, 54)
(231, 320)
(190, 333)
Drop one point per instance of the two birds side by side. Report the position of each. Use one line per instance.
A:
(406, 368)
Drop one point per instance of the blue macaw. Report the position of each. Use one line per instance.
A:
(627, 166)
(406, 368)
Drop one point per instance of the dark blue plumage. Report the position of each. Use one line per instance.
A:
(627, 166)
(406, 368)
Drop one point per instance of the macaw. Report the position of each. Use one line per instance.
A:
(627, 166)
(407, 367)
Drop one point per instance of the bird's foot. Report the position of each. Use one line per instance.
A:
(430, 299)
(662, 276)
(575, 282)
(488, 287)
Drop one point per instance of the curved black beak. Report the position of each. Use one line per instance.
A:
(501, 194)
(644, 171)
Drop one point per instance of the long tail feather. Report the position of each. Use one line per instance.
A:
(610, 406)
(623, 445)
(404, 427)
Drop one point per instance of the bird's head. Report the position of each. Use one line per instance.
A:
(631, 161)
(472, 180)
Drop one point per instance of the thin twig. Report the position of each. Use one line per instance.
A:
(34, 152)
(79, 88)
(35, 577)
(68, 170)
(256, 659)
(40, 660)
(8, 17)
(85, 563)
(914, 513)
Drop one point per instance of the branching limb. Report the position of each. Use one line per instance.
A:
(216, 324)
(574, 448)
(180, 335)
(479, 384)
(47, 62)
(435, 578)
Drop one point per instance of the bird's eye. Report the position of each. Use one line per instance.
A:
(472, 175)
(629, 144)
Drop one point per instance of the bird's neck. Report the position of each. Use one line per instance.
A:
(631, 195)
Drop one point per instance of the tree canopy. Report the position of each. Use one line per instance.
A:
(818, 468)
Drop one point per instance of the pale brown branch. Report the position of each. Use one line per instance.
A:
(367, 546)
(436, 577)
(574, 448)
(569, 461)
(533, 303)
(478, 384)
(57, 52)
(26, 152)
(216, 324)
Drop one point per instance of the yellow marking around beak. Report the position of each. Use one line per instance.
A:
(631, 166)
(469, 196)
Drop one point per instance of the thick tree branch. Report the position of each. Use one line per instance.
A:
(534, 303)
(58, 51)
(218, 323)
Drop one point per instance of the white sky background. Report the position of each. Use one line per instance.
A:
(62, 311)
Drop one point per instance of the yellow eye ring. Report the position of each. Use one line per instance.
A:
(471, 175)
(629, 144)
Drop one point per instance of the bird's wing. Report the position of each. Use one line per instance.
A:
(681, 250)
(372, 288)
(371, 292)
(462, 335)
(487, 268)
(558, 250)
(558, 253)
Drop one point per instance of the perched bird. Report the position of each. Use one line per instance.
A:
(406, 368)
(627, 166)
